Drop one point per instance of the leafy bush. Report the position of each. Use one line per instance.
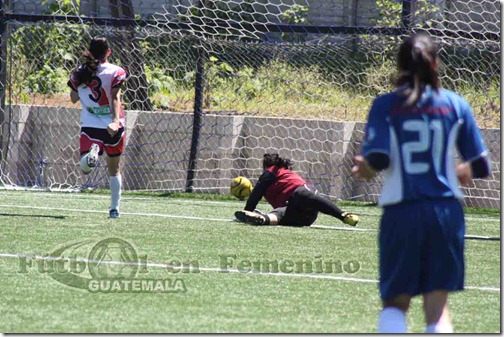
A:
(161, 86)
(379, 78)
(41, 54)
(330, 81)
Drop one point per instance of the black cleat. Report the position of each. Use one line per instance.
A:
(113, 214)
(250, 217)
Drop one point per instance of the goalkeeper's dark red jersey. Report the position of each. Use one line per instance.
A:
(276, 184)
(284, 185)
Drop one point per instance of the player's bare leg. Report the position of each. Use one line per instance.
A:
(392, 318)
(273, 219)
(115, 182)
(437, 317)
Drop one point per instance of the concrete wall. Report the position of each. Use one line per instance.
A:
(460, 14)
(43, 150)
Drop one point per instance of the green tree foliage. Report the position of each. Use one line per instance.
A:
(390, 15)
(62, 7)
(41, 54)
(295, 15)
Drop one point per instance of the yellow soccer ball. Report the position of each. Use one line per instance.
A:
(241, 187)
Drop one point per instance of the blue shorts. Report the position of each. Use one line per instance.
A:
(421, 247)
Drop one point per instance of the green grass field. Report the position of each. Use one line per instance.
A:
(166, 231)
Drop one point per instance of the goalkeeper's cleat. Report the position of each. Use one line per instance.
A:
(350, 219)
(113, 214)
(250, 217)
(92, 157)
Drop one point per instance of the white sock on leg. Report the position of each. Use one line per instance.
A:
(439, 328)
(392, 320)
(115, 191)
(84, 164)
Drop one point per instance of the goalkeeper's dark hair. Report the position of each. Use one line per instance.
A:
(273, 159)
(417, 62)
(97, 52)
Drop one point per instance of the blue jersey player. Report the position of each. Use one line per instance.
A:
(413, 133)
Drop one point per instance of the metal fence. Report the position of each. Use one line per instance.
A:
(218, 83)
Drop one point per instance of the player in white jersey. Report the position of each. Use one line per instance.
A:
(97, 85)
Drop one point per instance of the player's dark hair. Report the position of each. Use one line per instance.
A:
(417, 64)
(96, 53)
(273, 159)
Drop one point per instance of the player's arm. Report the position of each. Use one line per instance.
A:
(366, 167)
(375, 150)
(472, 148)
(265, 180)
(115, 106)
(72, 83)
(115, 109)
(74, 96)
(478, 168)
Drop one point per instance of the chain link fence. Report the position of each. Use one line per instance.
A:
(213, 85)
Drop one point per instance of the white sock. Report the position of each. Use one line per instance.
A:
(439, 328)
(115, 191)
(84, 164)
(392, 320)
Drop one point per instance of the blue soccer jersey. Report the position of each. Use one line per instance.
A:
(420, 141)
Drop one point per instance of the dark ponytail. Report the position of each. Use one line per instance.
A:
(275, 160)
(96, 53)
(417, 62)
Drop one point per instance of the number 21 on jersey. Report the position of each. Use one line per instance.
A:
(425, 143)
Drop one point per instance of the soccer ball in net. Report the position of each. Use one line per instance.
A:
(241, 187)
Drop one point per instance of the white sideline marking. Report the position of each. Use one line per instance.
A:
(125, 213)
(230, 270)
(163, 216)
(483, 288)
(352, 229)
(192, 201)
(482, 237)
(356, 229)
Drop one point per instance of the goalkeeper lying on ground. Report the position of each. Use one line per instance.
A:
(295, 202)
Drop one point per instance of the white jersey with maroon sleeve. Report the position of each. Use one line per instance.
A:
(96, 96)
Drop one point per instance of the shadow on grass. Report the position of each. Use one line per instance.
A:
(35, 216)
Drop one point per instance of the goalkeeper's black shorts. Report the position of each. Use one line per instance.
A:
(295, 214)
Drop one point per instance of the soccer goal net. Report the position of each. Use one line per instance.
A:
(213, 85)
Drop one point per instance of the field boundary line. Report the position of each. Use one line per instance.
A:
(229, 203)
(161, 215)
(171, 216)
(215, 269)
